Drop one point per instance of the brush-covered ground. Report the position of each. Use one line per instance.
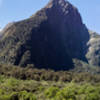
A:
(16, 89)
(33, 84)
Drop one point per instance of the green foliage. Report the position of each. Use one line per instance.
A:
(51, 92)
(33, 73)
(23, 95)
(74, 91)
(67, 93)
(56, 86)
(26, 96)
(93, 96)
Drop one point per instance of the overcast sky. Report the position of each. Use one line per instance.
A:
(14, 10)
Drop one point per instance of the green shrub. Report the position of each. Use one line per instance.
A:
(5, 97)
(15, 89)
(68, 93)
(26, 96)
(51, 92)
(93, 96)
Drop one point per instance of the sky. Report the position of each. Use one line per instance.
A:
(15, 10)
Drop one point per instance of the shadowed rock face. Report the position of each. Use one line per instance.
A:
(51, 38)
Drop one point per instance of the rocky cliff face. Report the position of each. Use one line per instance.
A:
(51, 38)
(3, 31)
(93, 54)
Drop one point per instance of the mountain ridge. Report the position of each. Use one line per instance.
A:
(50, 38)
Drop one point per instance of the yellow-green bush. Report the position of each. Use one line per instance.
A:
(16, 89)
(51, 92)
(26, 96)
(23, 95)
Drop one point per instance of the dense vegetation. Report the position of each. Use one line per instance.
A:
(16, 89)
(29, 83)
(47, 75)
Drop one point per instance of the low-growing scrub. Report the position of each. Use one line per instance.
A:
(47, 75)
(17, 89)
(30, 83)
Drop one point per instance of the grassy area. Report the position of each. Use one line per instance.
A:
(17, 89)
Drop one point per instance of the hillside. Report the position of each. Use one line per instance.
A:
(50, 38)
(53, 38)
(93, 54)
(52, 55)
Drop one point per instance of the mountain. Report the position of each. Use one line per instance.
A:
(3, 31)
(93, 54)
(50, 38)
